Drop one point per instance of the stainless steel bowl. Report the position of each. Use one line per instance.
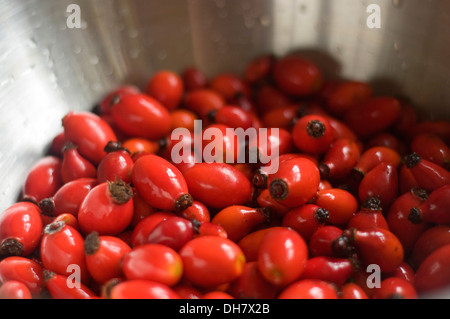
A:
(47, 67)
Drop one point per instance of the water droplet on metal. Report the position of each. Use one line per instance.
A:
(265, 20)
(93, 59)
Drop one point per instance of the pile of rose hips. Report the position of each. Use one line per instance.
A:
(357, 209)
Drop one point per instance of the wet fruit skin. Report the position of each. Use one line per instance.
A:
(104, 255)
(295, 182)
(309, 289)
(380, 181)
(374, 246)
(313, 134)
(89, 132)
(210, 261)
(61, 246)
(395, 288)
(24, 270)
(238, 220)
(166, 87)
(107, 209)
(430, 240)
(434, 209)
(59, 289)
(297, 76)
(140, 115)
(68, 198)
(43, 179)
(433, 273)
(334, 270)
(160, 183)
(282, 256)
(218, 185)
(398, 222)
(154, 262)
(20, 229)
(141, 289)
(373, 116)
(13, 289)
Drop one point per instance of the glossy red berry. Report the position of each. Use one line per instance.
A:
(369, 216)
(59, 289)
(218, 185)
(295, 182)
(68, 197)
(395, 288)
(430, 240)
(305, 219)
(269, 98)
(252, 285)
(398, 221)
(209, 229)
(116, 165)
(43, 179)
(339, 160)
(89, 132)
(329, 269)
(198, 211)
(108, 101)
(25, 270)
(258, 70)
(340, 204)
(107, 209)
(229, 86)
(173, 232)
(309, 289)
(251, 242)
(20, 229)
(193, 79)
(434, 209)
(351, 290)
(373, 156)
(373, 246)
(281, 117)
(144, 227)
(161, 184)
(167, 88)
(210, 261)
(61, 247)
(202, 102)
(232, 116)
(238, 220)
(297, 76)
(321, 241)
(347, 95)
(373, 116)
(313, 134)
(282, 256)
(140, 115)
(434, 272)
(104, 256)
(182, 118)
(428, 175)
(432, 148)
(14, 289)
(153, 262)
(265, 200)
(141, 289)
(381, 182)
(74, 165)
